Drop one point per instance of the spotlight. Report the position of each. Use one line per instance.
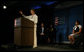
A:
(4, 7)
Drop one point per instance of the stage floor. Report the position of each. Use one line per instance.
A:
(48, 47)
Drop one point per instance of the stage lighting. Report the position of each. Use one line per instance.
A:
(4, 7)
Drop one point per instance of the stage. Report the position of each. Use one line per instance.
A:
(48, 47)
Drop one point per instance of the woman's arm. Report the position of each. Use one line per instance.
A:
(73, 31)
(79, 31)
(22, 13)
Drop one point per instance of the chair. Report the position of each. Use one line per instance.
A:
(78, 40)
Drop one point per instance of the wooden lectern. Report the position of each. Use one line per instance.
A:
(24, 32)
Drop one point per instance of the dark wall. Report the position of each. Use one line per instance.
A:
(71, 15)
(45, 15)
(6, 22)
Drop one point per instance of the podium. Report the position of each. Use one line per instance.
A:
(24, 32)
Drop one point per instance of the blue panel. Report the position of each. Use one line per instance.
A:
(71, 15)
(61, 29)
(76, 13)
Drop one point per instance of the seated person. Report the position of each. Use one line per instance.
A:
(76, 32)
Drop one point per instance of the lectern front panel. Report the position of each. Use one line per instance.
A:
(24, 32)
(17, 36)
(27, 36)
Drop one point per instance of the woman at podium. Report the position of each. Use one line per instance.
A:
(33, 17)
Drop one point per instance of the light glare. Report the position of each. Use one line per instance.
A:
(4, 7)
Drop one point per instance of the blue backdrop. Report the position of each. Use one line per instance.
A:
(71, 15)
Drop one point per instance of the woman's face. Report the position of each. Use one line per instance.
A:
(76, 23)
(32, 12)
